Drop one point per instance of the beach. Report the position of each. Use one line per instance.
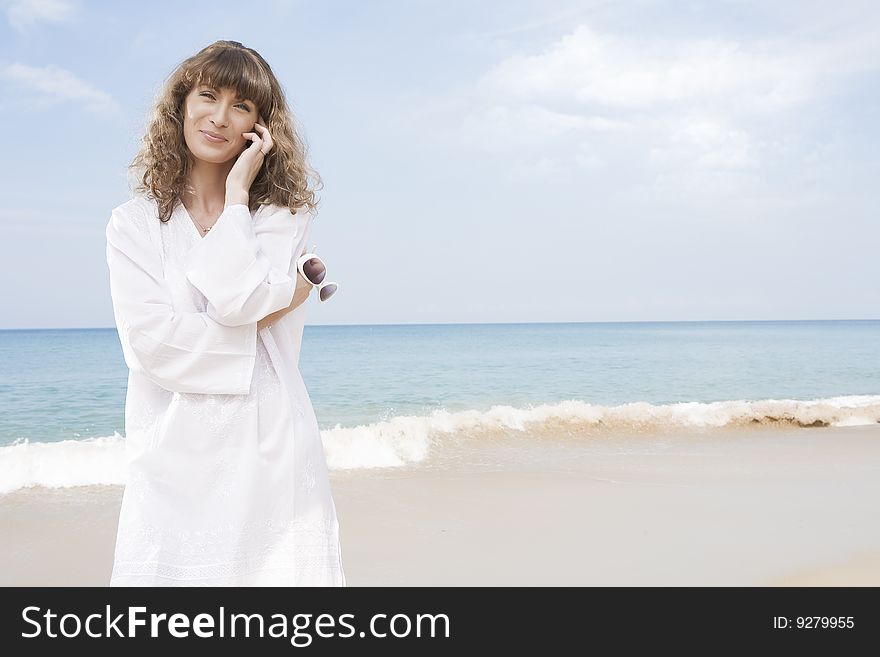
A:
(787, 506)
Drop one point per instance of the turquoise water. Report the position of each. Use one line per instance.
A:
(70, 384)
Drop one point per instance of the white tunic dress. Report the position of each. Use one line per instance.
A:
(227, 480)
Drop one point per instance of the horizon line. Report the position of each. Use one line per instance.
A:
(632, 321)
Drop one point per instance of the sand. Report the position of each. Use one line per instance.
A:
(764, 507)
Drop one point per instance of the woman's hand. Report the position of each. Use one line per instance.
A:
(248, 164)
(300, 294)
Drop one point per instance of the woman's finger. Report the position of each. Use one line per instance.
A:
(254, 137)
(267, 138)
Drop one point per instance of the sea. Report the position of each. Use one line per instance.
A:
(393, 395)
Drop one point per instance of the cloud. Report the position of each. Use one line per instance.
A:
(684, 119)
(589, 69)
(709, 143)
(501, 127)
(25, 13)
(59, 85)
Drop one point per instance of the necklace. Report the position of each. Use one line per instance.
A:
(202, 228)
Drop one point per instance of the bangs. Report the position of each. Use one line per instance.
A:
(236, 69)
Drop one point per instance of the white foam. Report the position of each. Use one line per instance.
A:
(835, 411)
(63, 464)
(404, 440)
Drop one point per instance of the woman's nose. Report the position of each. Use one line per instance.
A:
(219, 117)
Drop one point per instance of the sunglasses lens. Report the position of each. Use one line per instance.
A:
(327, 291)
(314, 271)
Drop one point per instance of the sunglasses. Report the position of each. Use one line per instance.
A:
(314, 270)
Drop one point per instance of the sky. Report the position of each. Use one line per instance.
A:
(499, 161)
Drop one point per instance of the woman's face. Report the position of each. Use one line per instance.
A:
(217, 111)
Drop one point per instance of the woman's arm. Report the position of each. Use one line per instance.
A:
(179, 351)
(245, 267)
(303, 289)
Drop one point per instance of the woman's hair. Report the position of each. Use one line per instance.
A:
(163, 162)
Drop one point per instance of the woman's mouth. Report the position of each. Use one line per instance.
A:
(212, 139)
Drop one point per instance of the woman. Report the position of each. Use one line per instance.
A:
(227, 480)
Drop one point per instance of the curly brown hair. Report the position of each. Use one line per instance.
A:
(163, 162)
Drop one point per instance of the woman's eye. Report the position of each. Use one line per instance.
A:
(211, 96)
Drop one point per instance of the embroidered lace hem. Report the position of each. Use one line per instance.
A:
(289, 554)
(318, 571)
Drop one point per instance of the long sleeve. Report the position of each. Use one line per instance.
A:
(245, 266)
(179, 351)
